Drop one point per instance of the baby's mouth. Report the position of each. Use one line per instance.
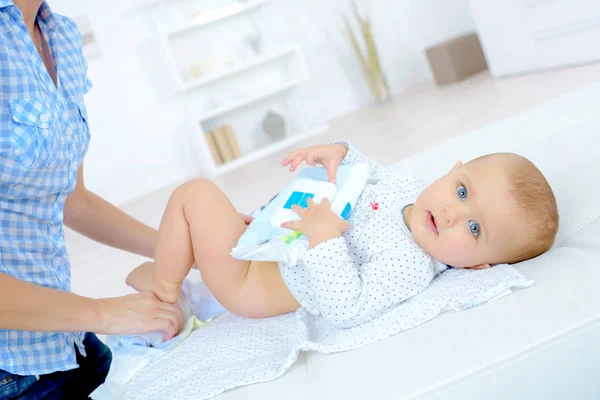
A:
(430, 222)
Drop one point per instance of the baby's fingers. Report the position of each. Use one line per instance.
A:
(331, 167)
(294, 225)
(324, 202)
(297, 161)
(291, 157)
(299, 210)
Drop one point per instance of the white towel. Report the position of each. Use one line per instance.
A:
(234, 351)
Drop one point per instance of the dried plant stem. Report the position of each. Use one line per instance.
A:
(369, 62)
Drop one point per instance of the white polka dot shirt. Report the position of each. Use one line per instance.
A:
(372, 267)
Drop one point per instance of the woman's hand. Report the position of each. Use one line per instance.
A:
(329, 155)
(143, 279)
(139, 313)
(318, 223)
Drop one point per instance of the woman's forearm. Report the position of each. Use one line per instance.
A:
(96, 218)
(25, 306)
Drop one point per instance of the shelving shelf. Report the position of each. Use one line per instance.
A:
(258, 62)
(270, 149)
(208, 17)
(236, 105)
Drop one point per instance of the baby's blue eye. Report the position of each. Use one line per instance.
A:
(462, 192)
(474, 227)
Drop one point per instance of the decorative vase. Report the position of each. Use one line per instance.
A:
(369, 62)
(274, 126)
(379, 88)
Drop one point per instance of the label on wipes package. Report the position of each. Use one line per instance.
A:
(301, 191)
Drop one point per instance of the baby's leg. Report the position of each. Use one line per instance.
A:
(201, 225)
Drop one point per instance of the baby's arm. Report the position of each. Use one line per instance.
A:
(331, 156)
(350, 295)
(378, 171)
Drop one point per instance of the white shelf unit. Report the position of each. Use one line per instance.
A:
(216, 15)
(234, 105)
(256, 63)
(275, 147)
(231, 82)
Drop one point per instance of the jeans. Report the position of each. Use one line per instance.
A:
(77, 383)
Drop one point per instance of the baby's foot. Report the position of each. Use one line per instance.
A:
(142, 279)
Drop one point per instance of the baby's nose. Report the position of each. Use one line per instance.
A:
(452, 214)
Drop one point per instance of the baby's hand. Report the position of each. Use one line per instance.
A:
(329, 155)
(142, 280)
(318, 223)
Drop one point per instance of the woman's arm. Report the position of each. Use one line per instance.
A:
(94, 217)
(25, 306)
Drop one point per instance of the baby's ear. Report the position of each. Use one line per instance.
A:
(480, 266)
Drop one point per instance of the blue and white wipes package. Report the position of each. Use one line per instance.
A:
(265, 240)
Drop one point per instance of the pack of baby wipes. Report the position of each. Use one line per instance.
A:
(266, 240)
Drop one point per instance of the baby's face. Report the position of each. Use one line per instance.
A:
(468, 218)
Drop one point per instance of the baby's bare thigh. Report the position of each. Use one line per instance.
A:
(265, 294)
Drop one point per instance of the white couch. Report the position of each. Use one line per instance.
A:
(539, 343)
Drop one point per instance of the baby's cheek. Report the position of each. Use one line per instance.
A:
(458, 248)
(466, 245)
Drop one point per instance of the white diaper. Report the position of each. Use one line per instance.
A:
(195, 300)
(132, 353)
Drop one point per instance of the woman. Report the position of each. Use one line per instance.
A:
(43, 139)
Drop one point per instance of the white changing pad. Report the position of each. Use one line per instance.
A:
(234, 351)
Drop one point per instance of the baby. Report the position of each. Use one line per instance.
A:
(495, 209)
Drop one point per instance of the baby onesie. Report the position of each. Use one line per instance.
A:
(375, 265)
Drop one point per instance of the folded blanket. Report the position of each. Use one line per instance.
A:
(232, 351)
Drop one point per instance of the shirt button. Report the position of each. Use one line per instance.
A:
(56, 262)
(44, 117)
(54, 229)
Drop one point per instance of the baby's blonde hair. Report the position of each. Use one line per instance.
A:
(533, 194)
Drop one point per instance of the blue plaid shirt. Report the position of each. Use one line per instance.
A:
(43, 138)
